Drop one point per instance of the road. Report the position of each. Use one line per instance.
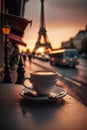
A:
(78, 74)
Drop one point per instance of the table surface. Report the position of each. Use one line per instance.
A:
(19, 114)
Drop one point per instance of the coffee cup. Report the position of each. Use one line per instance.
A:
(42, 81)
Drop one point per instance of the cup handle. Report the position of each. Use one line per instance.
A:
(25, 83)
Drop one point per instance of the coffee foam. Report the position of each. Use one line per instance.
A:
(43, 73)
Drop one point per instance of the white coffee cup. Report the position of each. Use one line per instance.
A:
(43, 81)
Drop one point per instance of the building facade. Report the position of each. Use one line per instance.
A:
(76, 41)
(1, 37)
(15, 7)
(11, 7)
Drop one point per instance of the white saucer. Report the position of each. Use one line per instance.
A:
(56, 94)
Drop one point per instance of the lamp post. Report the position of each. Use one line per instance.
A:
(6, 30)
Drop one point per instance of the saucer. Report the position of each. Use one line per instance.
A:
(31, 95)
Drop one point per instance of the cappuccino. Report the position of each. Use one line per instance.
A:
(43, 81)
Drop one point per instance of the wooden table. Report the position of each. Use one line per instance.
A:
(19, 114)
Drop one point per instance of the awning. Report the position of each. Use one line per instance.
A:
(17, 24)
(17, 39)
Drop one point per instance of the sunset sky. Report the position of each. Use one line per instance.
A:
(63, 19)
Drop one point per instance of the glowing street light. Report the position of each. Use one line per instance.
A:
(6, 31)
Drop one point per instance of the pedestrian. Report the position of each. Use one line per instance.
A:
(30, 58)
(24, 57)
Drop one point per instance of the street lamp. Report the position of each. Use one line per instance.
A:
(6, 30)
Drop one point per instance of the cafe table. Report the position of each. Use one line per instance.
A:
(17, 113)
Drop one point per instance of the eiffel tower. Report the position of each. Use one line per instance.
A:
(42, 40)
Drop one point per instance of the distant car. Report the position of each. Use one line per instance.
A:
(37, 56)
(43, 57)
